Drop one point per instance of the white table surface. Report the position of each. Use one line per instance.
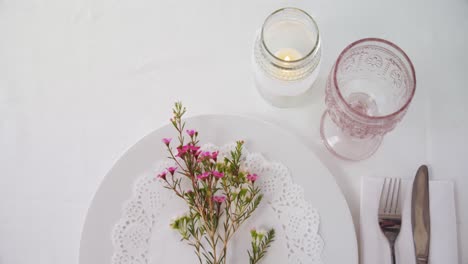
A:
(83, 80)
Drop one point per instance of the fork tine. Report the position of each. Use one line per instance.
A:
(398, 206)
(392, 208)
(388, 204)
(383, 197)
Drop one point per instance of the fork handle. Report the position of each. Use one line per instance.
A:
(392, 249)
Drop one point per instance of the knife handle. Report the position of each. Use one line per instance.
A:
(421, 260)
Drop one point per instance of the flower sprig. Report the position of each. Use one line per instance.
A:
(261, 241)
(222, 196)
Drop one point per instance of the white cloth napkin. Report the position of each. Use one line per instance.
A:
(374, 246)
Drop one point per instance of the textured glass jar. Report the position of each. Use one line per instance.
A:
(286, 56)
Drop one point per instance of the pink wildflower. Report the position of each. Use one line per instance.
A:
(217, 174)
(203, 176)
(162, 175)
(181, 151)
(214, 155)
(191, 132)
(171, 170)
(219, 198)
(205, 154)
(252, 177)
(166, 141)
(193, 148)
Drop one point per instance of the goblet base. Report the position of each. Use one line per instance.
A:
(345, 146)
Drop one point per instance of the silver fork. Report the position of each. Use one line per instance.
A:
(390, 212)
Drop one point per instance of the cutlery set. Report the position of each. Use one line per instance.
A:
(390, 216)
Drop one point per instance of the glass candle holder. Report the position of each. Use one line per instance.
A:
(286, 56)
(368, 92)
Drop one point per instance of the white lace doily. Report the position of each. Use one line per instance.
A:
(143, 235)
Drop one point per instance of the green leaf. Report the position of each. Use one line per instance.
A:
(259, 248)
(243, 192)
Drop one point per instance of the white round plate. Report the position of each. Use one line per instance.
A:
(336, 224)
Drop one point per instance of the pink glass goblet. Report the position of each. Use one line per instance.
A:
(368, 92)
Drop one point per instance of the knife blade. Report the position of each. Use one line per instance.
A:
(420, 219)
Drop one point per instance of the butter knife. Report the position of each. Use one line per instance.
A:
(420, 219)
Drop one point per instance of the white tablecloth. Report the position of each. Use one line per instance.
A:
(83, 80)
